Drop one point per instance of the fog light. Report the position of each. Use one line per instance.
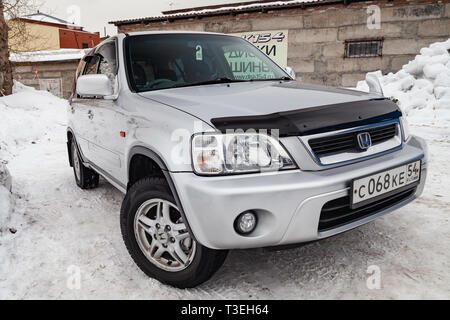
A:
(246, 223)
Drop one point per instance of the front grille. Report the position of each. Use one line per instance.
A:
(338, 212)
(348, 141)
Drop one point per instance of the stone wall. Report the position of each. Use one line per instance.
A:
(64, 70)
(317, 34)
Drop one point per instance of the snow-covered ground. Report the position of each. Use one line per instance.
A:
(56, 229)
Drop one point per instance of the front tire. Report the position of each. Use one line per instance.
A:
(158, 240)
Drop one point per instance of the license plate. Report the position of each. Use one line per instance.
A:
(380, 185)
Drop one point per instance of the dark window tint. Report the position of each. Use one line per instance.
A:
(91, 64)
(167, 61)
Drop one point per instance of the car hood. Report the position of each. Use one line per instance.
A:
(252, 98)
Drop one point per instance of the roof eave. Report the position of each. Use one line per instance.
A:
(261, 8)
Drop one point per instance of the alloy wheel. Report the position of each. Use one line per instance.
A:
(162, 235)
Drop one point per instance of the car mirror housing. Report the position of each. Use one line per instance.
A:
(94, 85)
(291, 72)
(374, 84)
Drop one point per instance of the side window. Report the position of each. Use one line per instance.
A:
(108, 62)
(78, 73)
(91, 65)
(80, 68)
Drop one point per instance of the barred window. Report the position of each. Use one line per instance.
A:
(363, 48)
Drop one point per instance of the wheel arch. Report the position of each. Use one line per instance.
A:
(146, 152)
(140, 151)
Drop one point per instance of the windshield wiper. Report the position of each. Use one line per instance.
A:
(215, 81)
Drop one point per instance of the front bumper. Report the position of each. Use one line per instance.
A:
(288, 203)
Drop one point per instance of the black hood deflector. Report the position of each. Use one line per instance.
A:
(315, 120)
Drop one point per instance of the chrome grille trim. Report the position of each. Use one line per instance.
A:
(380, 146)
(348, 141)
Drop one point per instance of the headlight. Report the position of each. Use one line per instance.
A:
(405, 128)
(220, 154)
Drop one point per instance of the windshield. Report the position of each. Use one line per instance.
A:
(165, 61)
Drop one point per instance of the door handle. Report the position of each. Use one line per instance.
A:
(72, 109)
(90, 115)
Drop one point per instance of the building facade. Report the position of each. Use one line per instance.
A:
(332, 42)
(39, 32)
(52, 71)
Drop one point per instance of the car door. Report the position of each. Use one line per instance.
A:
(108, 135)
(81, 111)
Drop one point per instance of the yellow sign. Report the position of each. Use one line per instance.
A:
(273, 43)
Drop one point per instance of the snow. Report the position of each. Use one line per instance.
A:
(50, 55)
(422, 86)
(42, 17)
(5, 195)
(5, 177)
(62, 229)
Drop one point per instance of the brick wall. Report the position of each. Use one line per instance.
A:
(75, 39)
(317, 35)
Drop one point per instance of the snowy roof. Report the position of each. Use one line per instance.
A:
(48, 56)
(205, 11)
(42, 17)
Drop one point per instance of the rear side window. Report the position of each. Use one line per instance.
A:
(108, 62)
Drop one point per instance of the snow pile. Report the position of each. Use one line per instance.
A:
(29, 116)
(422, 86)
(5, 196)
(5, 177)
(5, 207)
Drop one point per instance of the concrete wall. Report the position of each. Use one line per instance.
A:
(317, 35)
(25, 72)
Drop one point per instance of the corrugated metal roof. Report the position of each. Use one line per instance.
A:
(195, 12)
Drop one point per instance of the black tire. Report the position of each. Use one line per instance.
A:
(205, 261)
(86, 178)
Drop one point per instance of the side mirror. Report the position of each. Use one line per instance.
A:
(290, 72)
(94, 85)
(374, 84)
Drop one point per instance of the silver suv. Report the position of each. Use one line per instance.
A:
(216, 148)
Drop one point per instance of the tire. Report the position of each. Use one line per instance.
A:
(152, 198)
(84, 177)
